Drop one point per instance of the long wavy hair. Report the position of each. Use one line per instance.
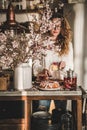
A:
(64, 38)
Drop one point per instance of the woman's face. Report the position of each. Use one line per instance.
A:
(57, 27)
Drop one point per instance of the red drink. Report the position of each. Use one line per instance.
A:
(74, 83)
(70, 82)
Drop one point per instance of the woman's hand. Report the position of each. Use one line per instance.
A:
(62, 65)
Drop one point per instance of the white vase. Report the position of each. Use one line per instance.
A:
(23, 77)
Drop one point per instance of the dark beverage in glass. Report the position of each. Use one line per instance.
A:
(70, 82)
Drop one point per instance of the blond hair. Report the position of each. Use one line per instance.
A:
(65, 37)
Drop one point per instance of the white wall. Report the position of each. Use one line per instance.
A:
(21, 17)
(79, 40)
(77, 17)
(85, 50)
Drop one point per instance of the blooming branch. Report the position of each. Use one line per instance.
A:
(17, 49)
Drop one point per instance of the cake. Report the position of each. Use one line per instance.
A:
(49, 85)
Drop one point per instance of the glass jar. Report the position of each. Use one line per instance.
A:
(70, 80)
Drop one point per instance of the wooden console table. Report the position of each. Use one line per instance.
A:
(28, 96)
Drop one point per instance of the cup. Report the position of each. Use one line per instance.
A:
(74, 81)
(70, 82)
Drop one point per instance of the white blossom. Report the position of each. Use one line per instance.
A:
(17, 49)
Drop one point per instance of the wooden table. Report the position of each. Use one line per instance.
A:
(28, 96)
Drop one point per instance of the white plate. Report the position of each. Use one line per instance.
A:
(52, 89)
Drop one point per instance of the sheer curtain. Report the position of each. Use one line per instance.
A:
(79, 40)
(80, 43)
(78, 19)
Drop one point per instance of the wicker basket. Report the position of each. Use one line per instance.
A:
(3, 83)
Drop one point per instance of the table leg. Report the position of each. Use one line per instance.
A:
(27, 114)
(74, 108)
(79, 114)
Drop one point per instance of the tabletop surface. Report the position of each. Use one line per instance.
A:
(41, 93)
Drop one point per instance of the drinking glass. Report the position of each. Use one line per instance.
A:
(70, 82)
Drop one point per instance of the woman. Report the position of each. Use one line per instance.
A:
(58, 50)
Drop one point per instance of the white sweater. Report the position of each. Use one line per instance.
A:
(52, 56)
